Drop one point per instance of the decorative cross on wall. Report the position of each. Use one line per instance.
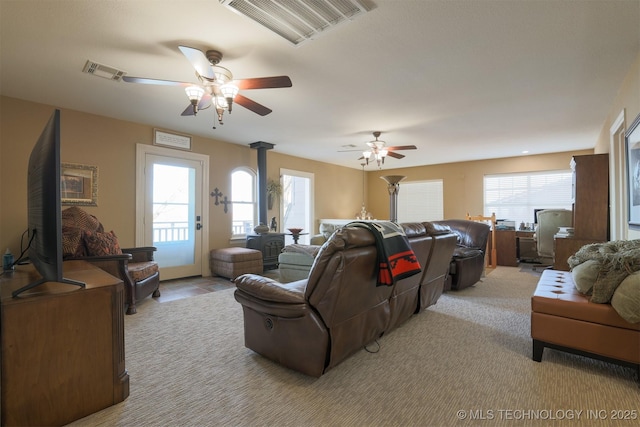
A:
(225, 202)
(217, 194)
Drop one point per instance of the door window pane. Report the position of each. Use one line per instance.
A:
(173, 214)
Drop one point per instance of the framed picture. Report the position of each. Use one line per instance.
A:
(79, 185)
(173, 140)
(632, 138)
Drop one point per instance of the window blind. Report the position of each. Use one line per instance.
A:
(515, 196)
(420, 201)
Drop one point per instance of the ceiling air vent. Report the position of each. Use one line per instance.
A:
(103, 71)
(298, 20)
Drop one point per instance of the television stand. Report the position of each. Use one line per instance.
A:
(62, 346)
(41, 281)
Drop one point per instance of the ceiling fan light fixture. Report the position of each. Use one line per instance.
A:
(221, 103)
(223, 75)
(229, 91)
(195, 94)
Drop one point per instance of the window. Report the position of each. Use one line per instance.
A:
(243, 206)
(297, 202)
(516, 196)
(420, 201)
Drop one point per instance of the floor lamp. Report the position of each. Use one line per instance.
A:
(393, 185)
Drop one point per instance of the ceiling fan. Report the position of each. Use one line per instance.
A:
(217, 87)
(378, 150)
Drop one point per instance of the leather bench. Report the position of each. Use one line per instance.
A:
(233, 262)
(564, 319)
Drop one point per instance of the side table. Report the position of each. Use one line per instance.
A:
(296, 236)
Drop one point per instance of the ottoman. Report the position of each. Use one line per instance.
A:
(564, 319)
(233, 262)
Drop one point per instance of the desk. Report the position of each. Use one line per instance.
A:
(508, 245)
(62, 346)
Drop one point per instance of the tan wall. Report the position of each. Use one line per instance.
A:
(111, 145)
(628, 99)
(462, 181)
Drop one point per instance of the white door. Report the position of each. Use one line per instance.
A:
(172, 211)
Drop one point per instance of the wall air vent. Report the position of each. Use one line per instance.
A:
(298, 20)
(103, 71)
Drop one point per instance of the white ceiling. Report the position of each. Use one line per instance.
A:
(461, 80)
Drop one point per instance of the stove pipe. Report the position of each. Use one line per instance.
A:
(262, 148)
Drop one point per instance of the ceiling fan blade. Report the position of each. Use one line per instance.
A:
(402, 147)
(204, 103)
(188, 111)
(394, 154)
(264, 82)
(147, 81)
(199, 61)
(251, 105)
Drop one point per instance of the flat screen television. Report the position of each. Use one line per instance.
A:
(44, 207)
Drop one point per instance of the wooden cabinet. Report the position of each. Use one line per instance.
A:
(506, 248)
(564, 248)
(62, 346)
(591, 197)
(590, 207)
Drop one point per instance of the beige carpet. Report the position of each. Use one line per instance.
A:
(465, 361)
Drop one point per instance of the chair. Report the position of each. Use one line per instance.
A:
(313, 324)
(468, 261)
(549, 222)
(83, 237)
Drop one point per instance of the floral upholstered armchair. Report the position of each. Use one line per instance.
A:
(83, 237)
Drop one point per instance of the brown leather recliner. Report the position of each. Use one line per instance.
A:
(313, 324)
(436, 272)
(467, 263)
(433, 248)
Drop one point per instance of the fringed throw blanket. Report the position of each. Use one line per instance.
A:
(396, 259)
(617, 259)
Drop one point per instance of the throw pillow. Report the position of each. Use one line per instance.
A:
(78, 218)
(72, 243)
(100, 244)
(626, 298)
(585, 275)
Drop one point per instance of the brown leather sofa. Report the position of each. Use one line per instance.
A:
(433, 246)
(566, 320)
(467, 263)
(313, 324)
